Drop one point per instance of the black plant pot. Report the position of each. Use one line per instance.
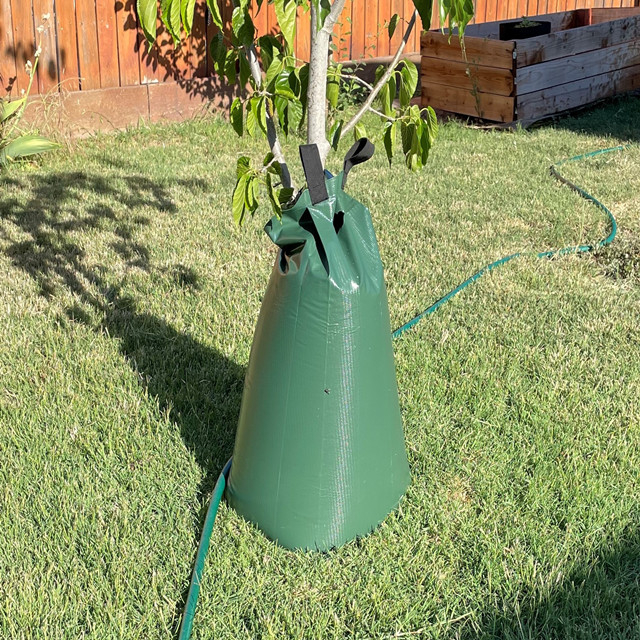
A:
(511, 30)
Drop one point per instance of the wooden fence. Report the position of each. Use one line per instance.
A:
(94, 45)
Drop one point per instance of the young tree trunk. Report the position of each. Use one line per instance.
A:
(318, 65)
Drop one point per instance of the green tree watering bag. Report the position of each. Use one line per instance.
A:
(319, 455)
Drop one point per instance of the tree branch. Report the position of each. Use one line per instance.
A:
(355, 78)
(387, 74)
(334, 14)
(382, 115)
(272, 134)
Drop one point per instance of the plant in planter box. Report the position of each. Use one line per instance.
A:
(319, 456)
(524, 28)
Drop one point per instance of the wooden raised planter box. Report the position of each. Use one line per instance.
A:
(590, 54)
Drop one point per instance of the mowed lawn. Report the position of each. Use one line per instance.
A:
(128, 300)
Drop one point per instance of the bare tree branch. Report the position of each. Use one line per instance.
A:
(334, 14)
(358, 79)
(382, 115)
(272, 134)
(383, 80)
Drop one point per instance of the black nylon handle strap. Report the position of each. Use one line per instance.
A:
(361, 151)
(314, 172)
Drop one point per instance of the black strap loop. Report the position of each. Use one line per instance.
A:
(314, 172)
(361, 151)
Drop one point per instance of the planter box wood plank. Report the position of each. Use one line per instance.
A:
(537, 105)
(589, 55)
(454, 74)
(491, 106)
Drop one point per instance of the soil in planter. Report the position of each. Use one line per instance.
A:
(511, 30)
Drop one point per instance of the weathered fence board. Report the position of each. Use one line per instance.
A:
(107, 43)
(68, 72)
(88, 44)
(98, 44)
(23, 40)
(7, 56)
(48, 76)
(95, 46)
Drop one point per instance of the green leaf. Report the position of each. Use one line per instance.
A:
(390, 139)
(170, 13)
(251, 193)
(273, 197)
(218, 52)
(7, 109)
(230, 65)
(359, 131)
(214, 10)
(303, 76)
(334, 134)
(393, 23)
(187, 7)
(238, 206)
(325, 10)
(286, 16)
(406, 134)
(242, 25)
(431, 122)
(425, 10)
(261, 114)
(333, 85)
(24, 146)
(285, 194)
(274, 167)
(251, 119)
(243, 165)
(295, 114)
(409, 75)
(282, 109)
(425, 143)
(387, 94)
(236, 116)
(147, 14)
(456, 13)
(270, 47)
(294, 82)
(273, 71)
(245, 70)
(283, 85)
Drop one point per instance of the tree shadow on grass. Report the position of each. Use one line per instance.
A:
(199, 387)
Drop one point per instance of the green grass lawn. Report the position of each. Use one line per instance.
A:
(127, 306)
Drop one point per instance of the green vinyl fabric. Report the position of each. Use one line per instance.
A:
(319, 455)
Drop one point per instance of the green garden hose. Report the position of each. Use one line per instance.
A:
(543, 254)
(203, 548)
(218, 491)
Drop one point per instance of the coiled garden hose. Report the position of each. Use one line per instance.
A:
(218, 491)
